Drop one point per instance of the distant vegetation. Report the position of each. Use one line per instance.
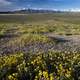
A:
(66, 17)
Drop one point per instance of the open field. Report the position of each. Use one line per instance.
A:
(40, 46)
(26, 18)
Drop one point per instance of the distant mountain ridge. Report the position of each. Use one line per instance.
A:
(25, 11)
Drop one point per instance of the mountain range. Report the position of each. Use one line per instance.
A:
(28, 11)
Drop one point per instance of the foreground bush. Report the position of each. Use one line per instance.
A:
(40, 66)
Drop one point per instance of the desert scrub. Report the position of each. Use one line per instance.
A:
(28, 39)
(33, 29)
(2, 32)
(50, 66)
(56, 28)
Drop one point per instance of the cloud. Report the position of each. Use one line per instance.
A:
(75, 9)
(4, 3)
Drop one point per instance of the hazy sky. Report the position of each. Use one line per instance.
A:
(6, 5)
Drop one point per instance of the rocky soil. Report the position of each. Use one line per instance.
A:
(61, 43)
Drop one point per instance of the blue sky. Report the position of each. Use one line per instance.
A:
(6, 5)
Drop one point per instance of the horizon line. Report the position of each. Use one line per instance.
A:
(62, 10)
